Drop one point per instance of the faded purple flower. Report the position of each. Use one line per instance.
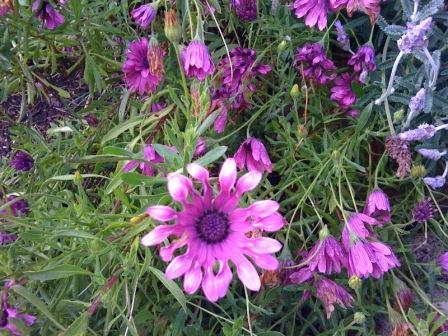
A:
(22, 161)
(245, 9)
(157, 107)
(378, 206)
(315, 12)
(6, 239)
(423, 211)
(417, 102)
(342, 37)
(17, 208)
(432, 154)
(221, 120)
(331, 294)
(327, 256)
(6, 6)
(435, 182)
(238, 74)
(422, 133)
(201, 147)
(301, 276)
(151, 156)
(196, 60)
(443, 262)
(316, 66)
(213, 230)
(9, 315)
(399, 150)
(91, 120)
(144, 15)
(143, 68)
(284, 271)
(355, 228)
(415, 36)
(44, 11)
(253, 155)
(363, 61)
(342, 92)
(370, 7)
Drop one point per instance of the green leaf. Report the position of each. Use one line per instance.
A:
(138, 179)
(36, 302)
(121, 128)
(171, 286)
(78, 327)
(364, 117)
(166, 152)
(71, 177)
(74, 234)
(212, 155)
(57, 272)
(208, 122)
(123, 104)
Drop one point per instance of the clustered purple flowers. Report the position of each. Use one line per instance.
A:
(312, 61)
(22, 161)
(361, 253)
(44, 11)
(246, 10)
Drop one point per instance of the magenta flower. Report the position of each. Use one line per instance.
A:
(253, 155)
(5, 7)
(301, 276)
(245, 9)
(144, 15)
(443, 262)
(315, 12)
(9, 315)
(356, 228)
(214, 231)
(370, 7)
(143, 68)
(22, 161)
(363, 61)
(423, 211)
(91, 120)
(197, 61)
(342, 92)
(150, 156)
(378, 206)
(50, 17)
(327, 256)
(331, 294)
(201, 147)
(316, 66)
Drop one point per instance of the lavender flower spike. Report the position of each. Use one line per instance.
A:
(432, 154)
(416, 104)
(415, 36)
(437, 181)
(342, 37)
(422, 133)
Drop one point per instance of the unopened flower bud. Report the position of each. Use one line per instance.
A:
(295, 91)
(302, 131)
(335, 154)
(418, 171)
(359, 318)
(282, 46)
(172, 27)
(398, 115)
(323, 233)
(78, 177)
(354, 282)
(139, 218)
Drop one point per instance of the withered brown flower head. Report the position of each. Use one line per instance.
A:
(399, 150)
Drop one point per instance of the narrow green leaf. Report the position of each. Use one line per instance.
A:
(57, 272)
(171, 286)
(78, 327)
(121, 128)
(212, 155)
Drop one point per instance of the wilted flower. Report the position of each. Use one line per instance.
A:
(197, 61)
(403, 295)
(443, 262)
(6, 6)
(17, 208)
(7, 238)
(435, 182)
(301, 276)
(432, 154)
(172, 27)
(378, 206)
(9, 316)
(355, 227)
(22, 161)
(143, 68)
(91, 120)
(201, 147)
(50, 17)
(415, 36)
(342, 92)
(315, 12)
(331, 294)
(238, 72)
(342, 37)
(245, 9)
(214, 231)
(399, 150)
(370, 7)
(400, 328)
(151, 156)
(144, 15)
(423, 211)
(417, 102)
(363, 61)
(253, 155)
(316, 66)
(327, 256)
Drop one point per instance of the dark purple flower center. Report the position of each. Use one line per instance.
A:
(212, 226)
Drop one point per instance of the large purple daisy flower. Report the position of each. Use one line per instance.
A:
(215, 231)
(143, 68)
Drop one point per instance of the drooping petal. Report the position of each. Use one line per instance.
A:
(247, 273)
(192, 280)
(248, 182)
(263, 245)
(264, 208)
(227, 175)
(161, 213)
(159, 234)
(179, 186)
(178, 266)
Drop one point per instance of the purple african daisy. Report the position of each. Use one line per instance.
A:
(6, 6)
(331, 294)
(238, 73)
(144, 15)
(214, 231)
(363, 61)
(415, 36)
(316, 66)
(378, 206)
(50, 17)
(443, 261)
(253, 155)
(157, 107)
(245, 9)
(301, 276)
(22, 161)
(315, 12)
(143, 68)
(423, 211)
(146, 167)
(342, 37)
(342, 92)
(355, 228)
(327, 256)
(197, 61)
